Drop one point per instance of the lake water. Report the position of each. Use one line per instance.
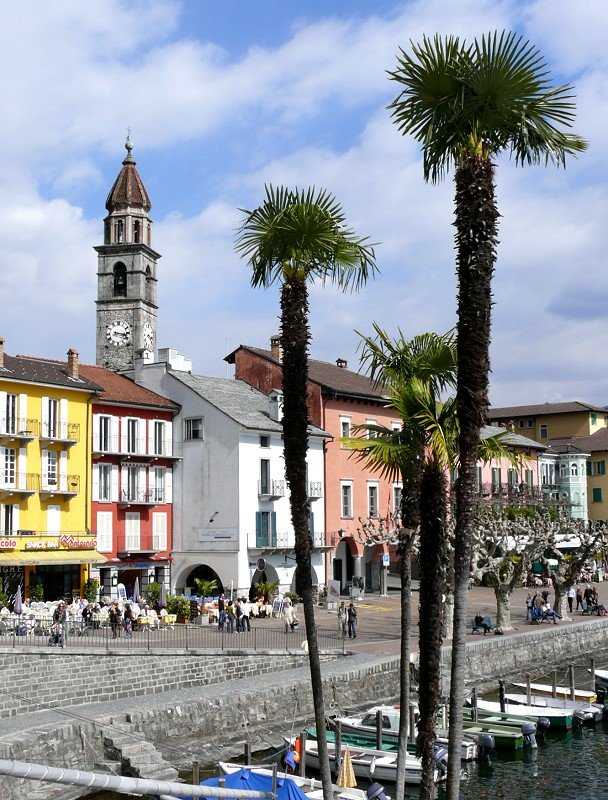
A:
(566, 766)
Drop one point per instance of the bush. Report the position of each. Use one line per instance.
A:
(152, 593)
(179, 605)
(36, 592)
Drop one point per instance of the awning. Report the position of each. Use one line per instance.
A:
(27, 558)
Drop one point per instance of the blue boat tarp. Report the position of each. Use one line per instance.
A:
(245, 779)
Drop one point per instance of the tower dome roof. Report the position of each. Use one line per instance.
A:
(128, 188)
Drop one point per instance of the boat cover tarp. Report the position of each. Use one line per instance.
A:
(245, 779)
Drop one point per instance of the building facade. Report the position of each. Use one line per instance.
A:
(46, 536)
(339, 400)
(232, 517)
(131, 482)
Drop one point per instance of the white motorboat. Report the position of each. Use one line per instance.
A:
(601, 677)
(546, 689)
(585, 712)
(561, 719)
(311, 787)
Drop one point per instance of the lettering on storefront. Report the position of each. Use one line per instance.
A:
(8, 544)
(66, 542)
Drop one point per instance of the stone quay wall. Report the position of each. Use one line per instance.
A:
(35, 680)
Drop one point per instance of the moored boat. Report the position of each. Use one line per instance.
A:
(311, 787)
(585, 712)
(544, 689)
(561, 719)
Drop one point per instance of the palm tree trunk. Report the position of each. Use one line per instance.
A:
(476, 228)
(295, 336)
(433, 552)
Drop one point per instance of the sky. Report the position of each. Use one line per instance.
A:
(225, 96)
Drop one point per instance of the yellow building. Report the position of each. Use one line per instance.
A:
(551, 420)
(45, 468)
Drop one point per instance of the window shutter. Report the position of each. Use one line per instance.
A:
(63, 470)
(63, 418)
(142, 474)
(168, 486)
(273, 524)
(15, 518)
(45, 469)
(588, 467)
(114, 426)
(151, 481)
(3, 419)
(22, 468)
(123, 434)
(21, 412)
(311, 523)
(168, 443)
(601, 468)
(96, 469)
(258, 523)
(104, 532)
(159, 530)
(96, 442)
(114, 484)
(45, 416)
(150, 424)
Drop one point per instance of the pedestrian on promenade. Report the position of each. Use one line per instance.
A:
(352, 621)
(246, 609)
(238, 612)
(529, 601)
(579, 598)
(230, 617)
(221, 612)
(289, 615)
(115, 619)
(571, 596)
(60, 618)
(128, 619)
(342, 619)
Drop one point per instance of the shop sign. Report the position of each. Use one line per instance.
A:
(65, 542)
(8, 544)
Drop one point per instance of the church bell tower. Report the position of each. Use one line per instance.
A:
(126, 274)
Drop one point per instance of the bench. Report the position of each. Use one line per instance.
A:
(485, 626)
(538, 616)
(588, 610)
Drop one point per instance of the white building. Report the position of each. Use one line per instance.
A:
(231, 507)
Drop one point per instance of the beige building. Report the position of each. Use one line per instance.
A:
(551, 420)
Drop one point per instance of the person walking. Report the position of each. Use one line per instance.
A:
(571, 595)
(289, 615)
(221, 612)
(60, 619)
(579, 598)
(342, 619)
(246, 609)
(128, 619)
(529, 602)
(230, 617)
(115, 618)
(352, 621)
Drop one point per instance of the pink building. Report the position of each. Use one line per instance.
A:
(338, 400)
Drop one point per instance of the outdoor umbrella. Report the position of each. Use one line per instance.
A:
(136, 597)
(346, 776)
(18, 604)
(163, 596)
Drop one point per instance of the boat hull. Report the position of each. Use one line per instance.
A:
(560, 720)
(584, 712)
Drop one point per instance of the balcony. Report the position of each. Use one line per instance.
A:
(270, 489)
(142, 497)
(22, 483)
(105, 445)
(315, 490)
(140, 544)
(62, 432)
(282, 541)
(67, 485)
(20, 430)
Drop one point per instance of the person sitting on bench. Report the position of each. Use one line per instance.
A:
(482, 622)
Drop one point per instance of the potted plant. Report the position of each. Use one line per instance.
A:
(180, 606)
(294, 597)
(267, 589)
(91, 590)
(36, 591)
(152, 593)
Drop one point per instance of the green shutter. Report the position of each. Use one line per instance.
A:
(272, 533)
(601, 467)
(597, 495)
(588, 467)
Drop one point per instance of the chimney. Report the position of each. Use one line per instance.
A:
(342, 363)
(73, 363)
(275, 347)
(1, 353)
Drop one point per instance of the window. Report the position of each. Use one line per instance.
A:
(159, 530)
(8, 466)
(478, 480)
(193, 429)
(158, 482)
(512, 478)
(397, 496)
(344, 429)
(522, 423)
(105, 482)
(11, 414)
(104, 531)
(371, 434)
(7, 519)
(130, 486)
(372, 499)
(50, 418)
(543, 432)
(265, 529)
(597, 495)
(52, 460)
(563, 470)
(593, 419)
(159, 438)
(574, 470)
(496, 480)
(530, 423)
(596, 467)
(265, 476)
(396, 427)
(104, 432)
(264, 440)
(136, 234)
(346, 490)
(132, 437)
(530, 478)
(120, 280)
(119, 231)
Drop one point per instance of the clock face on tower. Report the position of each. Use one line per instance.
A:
(148, 335)
(118, 333)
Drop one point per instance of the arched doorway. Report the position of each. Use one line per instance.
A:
(266, 576)
(204, 573)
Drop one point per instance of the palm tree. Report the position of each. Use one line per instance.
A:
(466, 104)
(416, 371)
(295, 237)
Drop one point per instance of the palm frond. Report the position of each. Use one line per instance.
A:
(495, 447)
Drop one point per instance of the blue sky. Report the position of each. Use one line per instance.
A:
(225, 96)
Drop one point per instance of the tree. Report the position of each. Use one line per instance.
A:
(206, 588)
(415, 373)
(295, 237)
(466, 104)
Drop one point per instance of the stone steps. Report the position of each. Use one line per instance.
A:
(137, 757)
